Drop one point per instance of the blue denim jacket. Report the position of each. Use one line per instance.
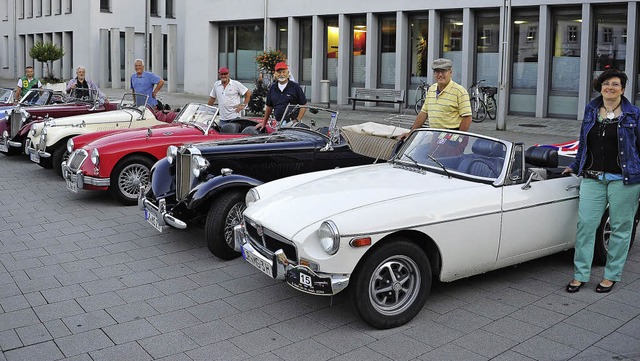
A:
(628, 139)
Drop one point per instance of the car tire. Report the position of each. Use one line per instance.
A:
(224, 214)
(127, 177)
(602, 238)
(405, 259)
(58, 156)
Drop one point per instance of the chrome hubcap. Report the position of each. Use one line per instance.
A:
(394, 285)
(131, 178)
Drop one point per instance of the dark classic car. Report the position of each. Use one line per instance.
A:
(39, 105)
(205, 184)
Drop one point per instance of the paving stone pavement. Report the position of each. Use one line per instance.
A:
(84, 278)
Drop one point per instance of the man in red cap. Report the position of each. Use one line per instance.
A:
(281, 94)
(232, 96)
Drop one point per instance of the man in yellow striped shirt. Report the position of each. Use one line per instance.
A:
(447, 105)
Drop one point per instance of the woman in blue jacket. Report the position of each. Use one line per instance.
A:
(609, 162)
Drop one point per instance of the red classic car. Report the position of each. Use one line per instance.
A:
(40, 104)
(121, 161)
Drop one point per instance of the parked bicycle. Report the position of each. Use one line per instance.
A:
(483, 101)
(421, 95)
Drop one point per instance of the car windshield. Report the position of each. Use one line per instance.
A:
(36, 97)
(83, 94)
(453, 153)
(199, 115)
(134, 101)
(6, 95)
(320, 120)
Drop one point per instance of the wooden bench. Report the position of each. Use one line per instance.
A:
(378, 96)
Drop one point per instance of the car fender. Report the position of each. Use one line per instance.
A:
(162, 178)
(205, 191)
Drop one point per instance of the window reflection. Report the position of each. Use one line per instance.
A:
(387, 74)
(419, 28)
(331, 59)
(359, 46)
(452, 42)
(610, 36)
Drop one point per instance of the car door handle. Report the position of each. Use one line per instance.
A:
(575, 186)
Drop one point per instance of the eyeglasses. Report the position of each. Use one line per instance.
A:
(613, 85)
(224, 73)
(440, 71)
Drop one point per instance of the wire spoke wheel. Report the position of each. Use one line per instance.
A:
(233, 219)
(131, 178)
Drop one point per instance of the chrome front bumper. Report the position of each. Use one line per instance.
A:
(164, 218)
(80, 179)
(278, 267)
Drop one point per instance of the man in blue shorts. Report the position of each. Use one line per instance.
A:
(145, 82)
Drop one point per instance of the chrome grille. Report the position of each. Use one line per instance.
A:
(76, 159)
(16, 123)
(270, 242)
(183, 174)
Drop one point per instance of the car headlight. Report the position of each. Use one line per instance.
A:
(172, 153)
(5, 134)
(25, 115)
(95, 156)
(251, 197)
(198, 165)
(70, 145)
(329, 237)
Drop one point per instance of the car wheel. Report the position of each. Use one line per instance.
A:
(224, 214)
(392, 284)
(602, 237)
(127, 177)
(59, 155)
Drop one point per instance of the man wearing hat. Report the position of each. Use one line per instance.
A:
(232, 96)
(282, 93)
(447, 104)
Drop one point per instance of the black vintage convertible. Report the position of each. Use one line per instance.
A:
(205, 184)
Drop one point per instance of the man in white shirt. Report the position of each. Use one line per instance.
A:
(232, 96)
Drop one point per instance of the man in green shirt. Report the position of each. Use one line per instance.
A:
(26, 82)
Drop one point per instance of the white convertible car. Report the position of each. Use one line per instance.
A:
(449, 205)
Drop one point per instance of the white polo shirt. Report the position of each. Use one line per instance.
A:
(228, 98)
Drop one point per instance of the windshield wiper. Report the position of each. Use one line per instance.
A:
(444, 169)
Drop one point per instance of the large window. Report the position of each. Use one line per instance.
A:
(565, 64)
(487, 47)
(418, 48)
(524, 70)
(387, 60)
(153, 8)
(331, 50)
(239, 45)
(610, 36)
(305, 50)
(452, 41)
(359, 50)
(282, 28)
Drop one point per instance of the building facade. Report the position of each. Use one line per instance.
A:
(104, 36)
(541, 55)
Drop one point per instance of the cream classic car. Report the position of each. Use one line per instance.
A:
(449, 205)
(47, 142)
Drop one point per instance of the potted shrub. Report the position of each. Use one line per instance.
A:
(47, 53)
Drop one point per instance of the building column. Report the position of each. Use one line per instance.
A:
(293, 46)
(270, 34)
(434, 41)
(69, 69)
(172, 58)
(586, 62)
(214, 50)
(631, 67)
(115, 58)
(129, 54)
(344, 60)
(504, 72)
(402, 55)
(103, 69)
(156, 51)
(544, 62)
(373, 49)
(467, 73)
(317, 57)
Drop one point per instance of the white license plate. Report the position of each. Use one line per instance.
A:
(34, 157)
(152, 220)
(3, 148)
(72, 186)
(258, 263)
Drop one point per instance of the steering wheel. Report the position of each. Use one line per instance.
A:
(494, 172)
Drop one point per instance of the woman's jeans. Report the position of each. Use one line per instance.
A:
(623, 203)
